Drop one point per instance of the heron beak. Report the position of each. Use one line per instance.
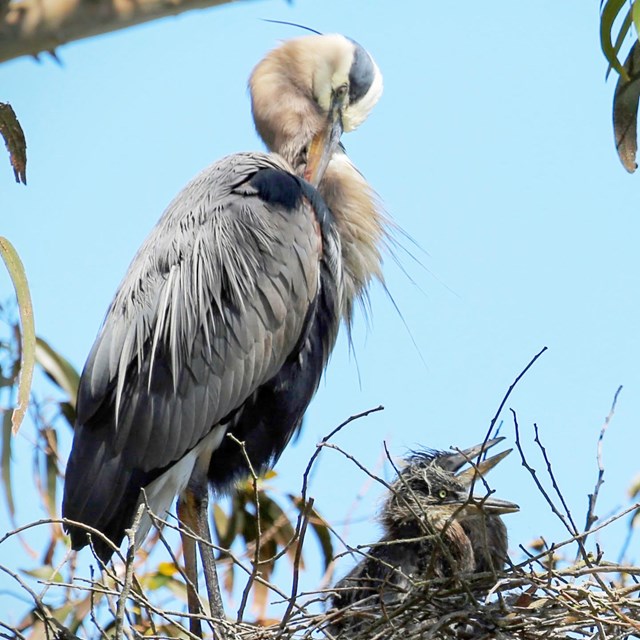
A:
(323, 145)
(454, 461)
(470, 505)
(493, 506)
(469, 475)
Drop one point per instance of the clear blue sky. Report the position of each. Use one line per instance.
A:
(491, 148)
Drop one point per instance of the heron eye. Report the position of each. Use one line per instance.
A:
(442, 494)
(342, 90)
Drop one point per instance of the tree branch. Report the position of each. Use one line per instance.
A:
(30, 27)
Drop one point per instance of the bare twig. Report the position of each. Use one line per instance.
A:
(593, 497)
(255, 569)
(305, 514)
(128, 579)
(325, 440)
(569, 523)
(544, 597)
(503, 402)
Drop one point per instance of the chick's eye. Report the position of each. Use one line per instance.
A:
(442, 494)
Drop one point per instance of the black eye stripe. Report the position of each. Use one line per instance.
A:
(361, 74)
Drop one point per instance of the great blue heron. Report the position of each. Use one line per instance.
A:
(434, 527)
(227, 315)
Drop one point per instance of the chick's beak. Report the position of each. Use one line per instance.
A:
(323, 145)
(471, 505)
(492, 505)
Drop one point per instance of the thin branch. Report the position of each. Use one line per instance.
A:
(514, 384)
(566, 521)
(255, 571)
(593, 497)
(128, 579)
(325, 440)
(571, 524)
(533, 473)
(30, 27)
(47, 618)
(502, 404)
(306, 513)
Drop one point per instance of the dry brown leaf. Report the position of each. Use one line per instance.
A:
(15, 141)
(625, 111)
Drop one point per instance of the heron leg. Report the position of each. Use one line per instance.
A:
(188, 526)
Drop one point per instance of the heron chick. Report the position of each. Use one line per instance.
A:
(434, 527)
(225, 320)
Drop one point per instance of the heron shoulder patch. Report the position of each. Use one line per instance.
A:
(277, 188)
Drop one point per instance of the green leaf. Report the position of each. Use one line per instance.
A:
(59, 369)
(274, 517)
(266, 555)
(28, 335)
(230, 525)
(6, 462)
(69, 413)
(635, 14)
(323, 533)
(249, 530)
(156, 581)
(320, 527)
(64, 611)
(608, 16)
(167, 569)
(625, 110)
(81, 609)
(45, 573)
(177, 588)
(624, 31)
(52, 469)
(221, 522)
(634, 489)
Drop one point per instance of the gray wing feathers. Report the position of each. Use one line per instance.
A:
(212, 305)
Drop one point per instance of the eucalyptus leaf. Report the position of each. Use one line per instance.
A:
(28, 334)
(635, 15)
(15, 141)
(59, 369)
(6, 463)
(69, 413)
(622, 34)
(634, 489)
(46, 573)
(625, 110)
(607, 18)
(320, 527)
(52, 471)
